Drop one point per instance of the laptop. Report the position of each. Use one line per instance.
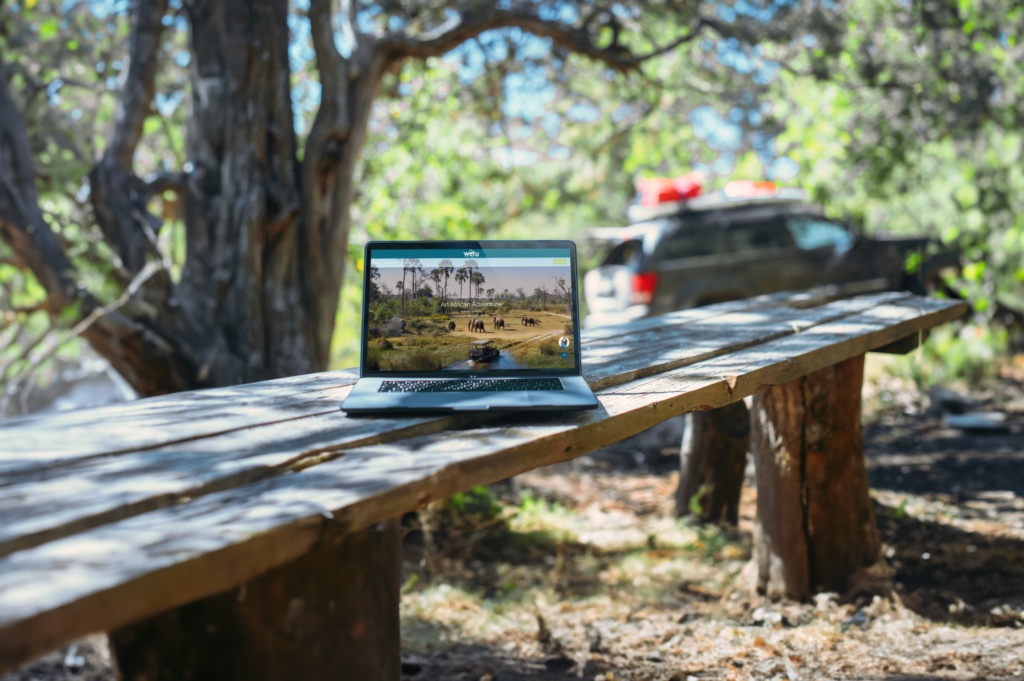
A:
(469, 326)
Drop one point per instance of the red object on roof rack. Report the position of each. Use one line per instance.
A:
(658, 190)
(749, 189)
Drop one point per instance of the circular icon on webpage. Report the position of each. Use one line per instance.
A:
(564, 355)
(563, 342)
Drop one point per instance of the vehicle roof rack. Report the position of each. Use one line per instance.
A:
(714, 201)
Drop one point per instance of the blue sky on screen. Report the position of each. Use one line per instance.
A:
(529, 92)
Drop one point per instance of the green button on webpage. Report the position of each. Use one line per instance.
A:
(561, 261)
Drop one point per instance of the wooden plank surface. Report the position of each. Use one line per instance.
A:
(44, 500)
(43, 441)
(112, 574)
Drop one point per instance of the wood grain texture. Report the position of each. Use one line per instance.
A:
(331, 614)
(815, 526)
(108, 576)
(67, 487)
(49, 440)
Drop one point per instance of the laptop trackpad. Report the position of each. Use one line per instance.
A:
(475, 401)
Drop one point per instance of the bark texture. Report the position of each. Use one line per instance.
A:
(712, 459)
(815, 525)
(332, 614)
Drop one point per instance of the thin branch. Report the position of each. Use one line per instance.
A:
(25, 352)
(117, 193)
(151, 268)
(157, 183)
(21, 223)
(471, 24)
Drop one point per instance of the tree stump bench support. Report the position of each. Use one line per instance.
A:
(247, 532)
(712, 462)
(815, 528)
(331, 614)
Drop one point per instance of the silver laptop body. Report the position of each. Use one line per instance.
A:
(469, 326)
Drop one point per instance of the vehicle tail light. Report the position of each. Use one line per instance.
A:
(643, 287)
(658, 190)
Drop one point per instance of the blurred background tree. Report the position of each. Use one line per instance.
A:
(906, 117)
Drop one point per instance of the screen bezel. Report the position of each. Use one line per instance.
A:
(468, 245)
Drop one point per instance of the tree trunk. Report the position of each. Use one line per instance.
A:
(332, 614)
(265, 235)
(815, 525)
(712, 460)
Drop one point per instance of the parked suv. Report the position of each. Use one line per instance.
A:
(722, 247)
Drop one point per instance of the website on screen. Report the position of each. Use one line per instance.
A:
(483, 309)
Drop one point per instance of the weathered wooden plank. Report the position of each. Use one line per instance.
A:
(32, 442)
(106, 577)
(89, 492)
(141, 423)
(46, 502)
(614, 361)
(48, 439)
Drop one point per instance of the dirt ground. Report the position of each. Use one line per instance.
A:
(584, 572)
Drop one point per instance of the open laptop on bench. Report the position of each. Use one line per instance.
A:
(469, 325)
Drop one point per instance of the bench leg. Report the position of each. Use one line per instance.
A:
(712, 459)
(332, 614)
(815, 525)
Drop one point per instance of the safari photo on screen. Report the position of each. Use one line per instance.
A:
(469, 309)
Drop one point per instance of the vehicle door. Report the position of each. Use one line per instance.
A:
(691, 268)
(763, 257)
(831, 250)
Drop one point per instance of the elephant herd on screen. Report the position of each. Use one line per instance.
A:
(499, 323)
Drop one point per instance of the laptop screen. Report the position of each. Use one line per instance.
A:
(499, 308)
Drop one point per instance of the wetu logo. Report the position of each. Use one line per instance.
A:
(471, 254)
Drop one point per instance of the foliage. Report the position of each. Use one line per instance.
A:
(549, 347)
(479, 501)
(906, 118)
(967, 354)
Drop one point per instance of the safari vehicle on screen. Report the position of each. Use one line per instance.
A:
(483, 351)
(687, 249)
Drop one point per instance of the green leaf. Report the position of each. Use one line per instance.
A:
(974, 271)
(49, 28)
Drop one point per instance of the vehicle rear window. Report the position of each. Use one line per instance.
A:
(628, 253)
(692, 242)
(810, 233)
(753, 236)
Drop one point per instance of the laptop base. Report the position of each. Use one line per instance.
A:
(368, 398)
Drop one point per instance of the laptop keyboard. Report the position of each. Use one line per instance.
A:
(471, 385)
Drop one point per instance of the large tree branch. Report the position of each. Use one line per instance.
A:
(349, 86)
(118, 195)
(136, 97)
(580, 40)
(146, 361)
(21, 222)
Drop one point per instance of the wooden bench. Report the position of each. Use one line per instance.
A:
(249, 532)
